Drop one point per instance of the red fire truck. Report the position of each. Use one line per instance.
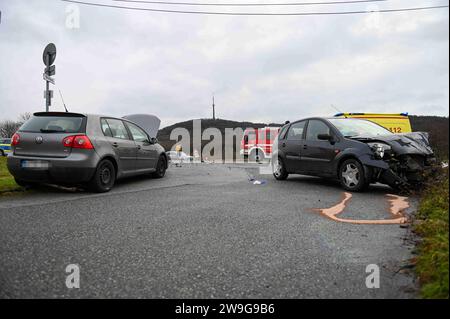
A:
(256, 144)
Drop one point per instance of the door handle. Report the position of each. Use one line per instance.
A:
(305, 146)
(139, 147)
(115, 144)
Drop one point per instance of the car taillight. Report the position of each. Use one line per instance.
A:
(15, 139)
(78, 141)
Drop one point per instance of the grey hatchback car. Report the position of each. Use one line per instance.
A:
(83, 149)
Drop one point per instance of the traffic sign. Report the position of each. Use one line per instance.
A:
(49, 79)
(49, 54)
(50, 70)
(48, 94)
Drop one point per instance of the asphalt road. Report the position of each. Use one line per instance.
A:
(204, 231)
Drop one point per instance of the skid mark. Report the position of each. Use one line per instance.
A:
(398, 204)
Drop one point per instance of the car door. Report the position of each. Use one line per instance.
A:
(121, 142)
(317, 154)
(146, 155)
(290, 145)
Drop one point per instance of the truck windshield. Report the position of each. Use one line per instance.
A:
(53, 124)
(355, 127)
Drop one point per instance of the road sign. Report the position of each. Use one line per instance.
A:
(48, 94)
(49, 79)
(49, 54)
(50, 70)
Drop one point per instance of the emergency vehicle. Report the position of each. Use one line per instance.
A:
(396, 123)
(5, 146)
(256, 144)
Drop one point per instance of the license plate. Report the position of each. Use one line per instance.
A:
(40, 165)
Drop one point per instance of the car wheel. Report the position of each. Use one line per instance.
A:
(278, 169)
(160, 168)
(352, 176)
(104, 177)
(2, 153)
(256, 156)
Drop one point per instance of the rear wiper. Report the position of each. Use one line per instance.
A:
(51, 131)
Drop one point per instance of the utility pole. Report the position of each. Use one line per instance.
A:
(214, 109)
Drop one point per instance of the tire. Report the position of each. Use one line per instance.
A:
(279, 169)
(104, 177)
(2, 153)
(161, 167)
(352, 176)
(256, 155)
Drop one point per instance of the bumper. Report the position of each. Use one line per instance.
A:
(74, 169)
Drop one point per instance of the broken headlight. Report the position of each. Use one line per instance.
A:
(380, 149)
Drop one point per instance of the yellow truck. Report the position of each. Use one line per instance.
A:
(396, 123)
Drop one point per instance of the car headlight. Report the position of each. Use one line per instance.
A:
(379, 149)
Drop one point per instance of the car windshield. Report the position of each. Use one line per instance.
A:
(356, 127)
(53, 124)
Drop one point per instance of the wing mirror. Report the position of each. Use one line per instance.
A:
(153, 140)
(325, 137)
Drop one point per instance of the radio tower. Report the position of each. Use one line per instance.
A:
(214, 108)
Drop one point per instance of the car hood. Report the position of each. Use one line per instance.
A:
(150, 123)
(404, 143)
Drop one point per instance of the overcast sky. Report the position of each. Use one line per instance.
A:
(267, 69)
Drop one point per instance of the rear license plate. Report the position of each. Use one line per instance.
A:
(39, 165)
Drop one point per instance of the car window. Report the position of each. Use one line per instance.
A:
(283, 132)
(316, 127)
(118, 129)
(296, 131)
(53, 124)
(105, 128)
(138, 134)
(357, 127)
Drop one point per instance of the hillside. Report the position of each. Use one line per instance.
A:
(436, 126)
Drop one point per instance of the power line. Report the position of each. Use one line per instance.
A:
(250, 4)
(257, 13)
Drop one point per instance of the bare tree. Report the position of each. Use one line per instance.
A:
(24, 117)
(8, 128)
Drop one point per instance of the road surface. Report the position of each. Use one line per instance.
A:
(204, 231)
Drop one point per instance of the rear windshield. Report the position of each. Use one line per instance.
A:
(53, 124)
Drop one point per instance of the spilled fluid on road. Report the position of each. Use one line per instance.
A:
(397, 207)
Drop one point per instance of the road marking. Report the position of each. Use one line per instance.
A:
(398, 204)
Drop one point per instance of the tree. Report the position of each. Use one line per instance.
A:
(8, 128)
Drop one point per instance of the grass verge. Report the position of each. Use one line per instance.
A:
(432, 226)
(7, 183)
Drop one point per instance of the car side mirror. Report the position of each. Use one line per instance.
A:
(153, 140)
(325, 137)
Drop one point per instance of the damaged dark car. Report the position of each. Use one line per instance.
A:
(356, 152)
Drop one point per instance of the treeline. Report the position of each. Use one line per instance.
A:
(438, 128)
(9, 127)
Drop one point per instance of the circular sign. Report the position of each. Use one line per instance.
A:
(49, 54)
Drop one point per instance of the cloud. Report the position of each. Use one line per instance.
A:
(260, 68)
